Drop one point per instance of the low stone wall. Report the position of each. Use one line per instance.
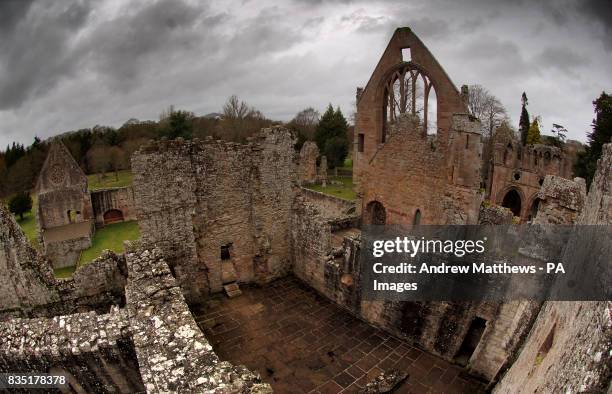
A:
(173, 354)
(66, 253)
(93, 351)
(329, 206)
(494, 215)
(118, 198)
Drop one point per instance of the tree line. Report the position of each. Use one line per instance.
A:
(103, 149)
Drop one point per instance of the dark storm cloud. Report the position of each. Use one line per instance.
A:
(35, 49)
(601, 12)
(561, 58)
(68, 64)
(123, 48)
(11, 13)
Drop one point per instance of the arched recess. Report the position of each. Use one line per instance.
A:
(376, 213)
(512, 200)
(113, 216)
(533, 209)
(408, 89)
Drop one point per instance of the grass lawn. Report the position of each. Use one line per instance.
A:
(110, 237)
(344, 191)
(124, 178)
(28, 224)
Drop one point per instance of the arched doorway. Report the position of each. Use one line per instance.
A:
(512, 201)
(113, 216)
(376, 213)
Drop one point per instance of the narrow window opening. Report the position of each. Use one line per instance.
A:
(225, 252)
(517, 176)
(417, 217)
(406, 56)
(467, 141)
(360, 142)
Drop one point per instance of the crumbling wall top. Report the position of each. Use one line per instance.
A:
(172, 352)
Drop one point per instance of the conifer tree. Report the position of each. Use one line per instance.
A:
(601, 134)
(533, 135)
(524, 120)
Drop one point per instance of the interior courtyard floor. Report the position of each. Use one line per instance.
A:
(300, 342)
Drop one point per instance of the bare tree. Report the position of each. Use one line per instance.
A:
(234, 108)
(117, 160)
(486, 107)
(98, 160)
(308, 117)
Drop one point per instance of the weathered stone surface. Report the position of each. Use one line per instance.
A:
(494, 214)
(560, 200)
(26, 279)
(93, 351)
(386, 382)
(568, 348)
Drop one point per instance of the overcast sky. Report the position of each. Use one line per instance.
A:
(66, 65)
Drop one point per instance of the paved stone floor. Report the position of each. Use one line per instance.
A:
(300, 342)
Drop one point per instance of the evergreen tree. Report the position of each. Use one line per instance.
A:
(524, 120)
(533, 135)
(21, 203)
(331, 136)
(602, 133)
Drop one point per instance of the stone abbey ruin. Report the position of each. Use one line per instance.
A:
(245, 281)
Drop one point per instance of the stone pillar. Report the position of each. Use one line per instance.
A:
(308, 163)
(323, 171)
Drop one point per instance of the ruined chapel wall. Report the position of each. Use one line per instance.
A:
(369, 121)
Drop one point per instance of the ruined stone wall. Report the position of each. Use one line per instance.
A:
(173, 354)
(192, 198)
(560, 200)
(94, 351)
(120, 198)
(307, 171)
(26, 279)
(568, 348)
